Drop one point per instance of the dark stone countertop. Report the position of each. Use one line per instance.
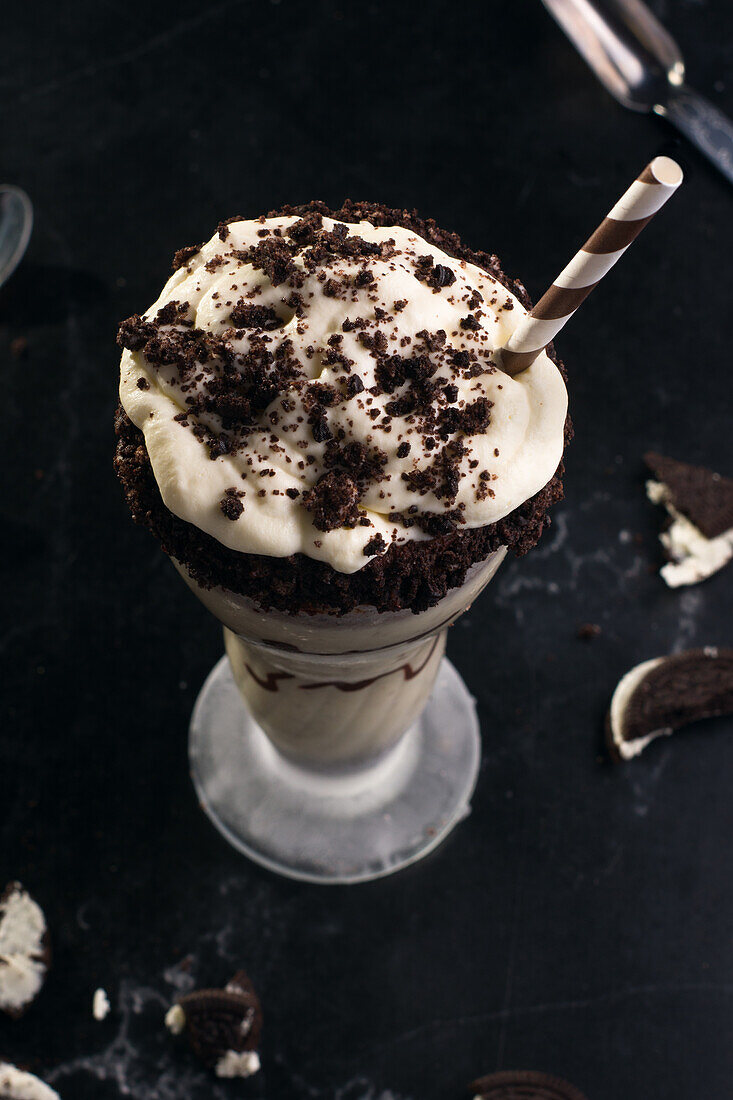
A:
(579, 920)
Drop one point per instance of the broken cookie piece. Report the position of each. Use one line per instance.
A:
(24, 949)
(659, 696)
(517, 1084)
(699, 537)
(222, 1026)
(17, 1084)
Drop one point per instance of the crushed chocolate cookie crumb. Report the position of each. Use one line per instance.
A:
(461, 360)
(435, 275)
(246, 315)
(423, 268)
(231, 505)
(134, 332)
(364, 464)
(306, 231)
(274, 256)
(223, 227)
(441, 276)
(483, 489)
(333, 501)
(183, 255)
(320, 393)
(473, 419)
(433, 341)
(218, 447)
(376, 545)
(215, 263)
(375, 342)
(332, 288)
(354, 385)
(390, 373)
(173, 313)
(319, 424)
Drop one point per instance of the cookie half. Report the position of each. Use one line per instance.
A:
(660, 696)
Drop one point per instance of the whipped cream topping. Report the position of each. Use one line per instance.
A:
(308, 386)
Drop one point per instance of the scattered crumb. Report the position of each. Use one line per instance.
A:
(175, 1020)
(100, 1005)
(588, 631)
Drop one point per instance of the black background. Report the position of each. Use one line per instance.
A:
(579, 921)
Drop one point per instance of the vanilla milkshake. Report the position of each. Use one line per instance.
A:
(314, 424)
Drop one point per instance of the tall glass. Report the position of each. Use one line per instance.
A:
(336, 748)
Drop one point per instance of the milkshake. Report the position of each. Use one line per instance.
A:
(315, 425)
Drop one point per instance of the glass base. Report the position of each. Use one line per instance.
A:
(328, 828)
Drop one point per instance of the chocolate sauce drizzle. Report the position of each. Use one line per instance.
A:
(271, 679)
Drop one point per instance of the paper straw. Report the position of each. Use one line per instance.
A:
(647, 194)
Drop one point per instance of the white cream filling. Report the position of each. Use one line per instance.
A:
(694, 556)
(16, 1084)
(625, 688)
(521, 448)
(175, 1020)
(238, 1064)
(22, 966)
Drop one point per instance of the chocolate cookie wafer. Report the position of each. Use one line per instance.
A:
(660, 696)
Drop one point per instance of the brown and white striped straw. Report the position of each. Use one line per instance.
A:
(647, 194)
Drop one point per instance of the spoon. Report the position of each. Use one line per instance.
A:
(642, 67)
(16, 222)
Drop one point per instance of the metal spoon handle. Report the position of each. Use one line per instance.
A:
(705, 126)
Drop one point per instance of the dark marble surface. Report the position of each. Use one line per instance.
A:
(579, 920)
